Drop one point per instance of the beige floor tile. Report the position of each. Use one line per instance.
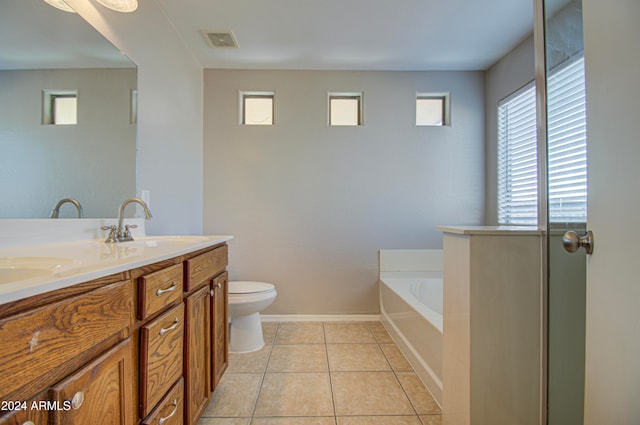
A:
(368, 394)
(356, 357)
(378, 420)
(298, 358)
(255, 362)
(396, 359)
(295, 421)
(269, 331)
(224, 421)
(346, 333)
(420, 397)
(431, 419)
(300, 333)
(381, 334)
(235, 396)
(295, 394)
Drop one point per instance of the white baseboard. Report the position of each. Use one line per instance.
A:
(320, 317)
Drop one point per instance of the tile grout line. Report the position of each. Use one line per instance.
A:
(264, 374)
(333, 399)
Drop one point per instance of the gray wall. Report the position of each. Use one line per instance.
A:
(310, 205)
(93, 161)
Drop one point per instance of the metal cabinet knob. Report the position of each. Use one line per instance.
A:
(28, 423)
(77, 400)
(571, 241)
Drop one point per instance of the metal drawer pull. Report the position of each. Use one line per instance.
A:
(171, 288)
(175, 409)
(77, 400)
(29, 423)
(219, 285)
(170, 328)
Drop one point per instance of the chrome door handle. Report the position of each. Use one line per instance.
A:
(571, 241)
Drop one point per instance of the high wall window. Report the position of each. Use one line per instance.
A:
(432, 110)
(566, 150)
(345, 109)
(257, 108)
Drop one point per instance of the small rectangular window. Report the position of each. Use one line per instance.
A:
(60, 107)
(345, 109)
(257, 108)
(432, 110)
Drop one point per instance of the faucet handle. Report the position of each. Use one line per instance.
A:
(112, 233)
(127, 231)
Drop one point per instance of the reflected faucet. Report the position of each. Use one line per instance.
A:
(56, 210)
(123, 234)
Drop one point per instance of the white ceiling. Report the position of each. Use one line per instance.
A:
(292, 34)
(354, 34)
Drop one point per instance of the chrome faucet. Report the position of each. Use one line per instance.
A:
(56, 210)
(123, 234)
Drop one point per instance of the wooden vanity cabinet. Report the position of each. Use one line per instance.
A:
(70, 347)
(90, 357)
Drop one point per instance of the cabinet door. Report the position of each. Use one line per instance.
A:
(99, 393)
(197, 353)
(219, 328)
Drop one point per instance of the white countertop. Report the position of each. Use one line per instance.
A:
(491, 230)
(74, 262)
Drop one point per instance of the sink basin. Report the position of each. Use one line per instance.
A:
(14, 269)
(164, 241)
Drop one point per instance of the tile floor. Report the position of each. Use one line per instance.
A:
(322, 373)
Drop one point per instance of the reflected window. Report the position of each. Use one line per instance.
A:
(60, 107)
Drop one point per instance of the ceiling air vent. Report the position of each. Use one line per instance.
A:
(220, 38)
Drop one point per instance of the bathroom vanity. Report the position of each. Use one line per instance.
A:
(129, 333)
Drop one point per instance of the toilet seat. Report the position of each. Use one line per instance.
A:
(249, 287)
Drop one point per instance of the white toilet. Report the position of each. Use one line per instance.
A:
(246, 301)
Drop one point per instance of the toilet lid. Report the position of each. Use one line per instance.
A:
(249, 287)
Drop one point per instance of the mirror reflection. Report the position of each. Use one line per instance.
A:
(67, 116)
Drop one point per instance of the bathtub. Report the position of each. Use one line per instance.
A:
(411, 311)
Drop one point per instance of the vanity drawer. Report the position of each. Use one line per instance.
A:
(161, 342)
(48, 337)
(205, 266)
(158, 290)
(170, 409)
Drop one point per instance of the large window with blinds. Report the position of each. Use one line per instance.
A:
(566, 150)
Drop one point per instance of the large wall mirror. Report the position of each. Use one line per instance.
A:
(47, 57)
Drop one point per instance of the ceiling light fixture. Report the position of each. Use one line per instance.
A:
(60, 4)
(120, 5)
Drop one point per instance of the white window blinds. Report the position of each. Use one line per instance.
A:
(517, 161)
(567, 151)
(567, 144)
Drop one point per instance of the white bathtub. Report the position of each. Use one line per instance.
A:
(411, 310)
